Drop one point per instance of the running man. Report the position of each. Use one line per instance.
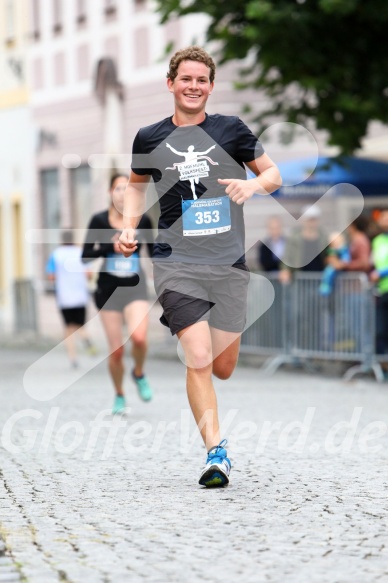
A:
(121, 294)
(200, 273)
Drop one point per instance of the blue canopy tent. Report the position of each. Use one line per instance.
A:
(369, 176)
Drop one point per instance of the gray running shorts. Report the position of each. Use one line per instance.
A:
(189, 293)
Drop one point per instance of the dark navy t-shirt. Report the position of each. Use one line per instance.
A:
(198, 222)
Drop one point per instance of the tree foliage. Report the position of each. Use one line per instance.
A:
(320, 60)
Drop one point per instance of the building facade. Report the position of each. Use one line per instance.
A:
(81, 76)
(97, 71)
(17, 173)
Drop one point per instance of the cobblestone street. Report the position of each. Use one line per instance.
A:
(90, 498)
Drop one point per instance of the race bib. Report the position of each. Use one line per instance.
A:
(120, 266)
(206, 216)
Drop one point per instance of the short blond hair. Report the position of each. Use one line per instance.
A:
(193, 53)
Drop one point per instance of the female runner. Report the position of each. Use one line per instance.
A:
(121, 294)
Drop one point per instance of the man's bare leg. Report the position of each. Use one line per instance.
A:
(199, 343)
(196, 344)
(226, 347)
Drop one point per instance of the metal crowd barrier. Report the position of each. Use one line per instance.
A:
(303, 324)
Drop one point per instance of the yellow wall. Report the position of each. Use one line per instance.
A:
(13, 90)
(13, 97)
(2, 266)
(17, 237)
(13, 93)
(21, 19)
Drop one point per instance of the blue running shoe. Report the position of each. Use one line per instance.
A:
(217, 469)
(118, 405)
(143, 387)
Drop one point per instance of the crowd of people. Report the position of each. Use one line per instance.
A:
(362, 248)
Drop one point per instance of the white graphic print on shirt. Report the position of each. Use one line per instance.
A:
(194, 167)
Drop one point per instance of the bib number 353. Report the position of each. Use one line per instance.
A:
(209, 216)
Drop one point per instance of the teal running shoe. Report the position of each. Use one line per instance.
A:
(143, 387)
(118, 405)
(217, 470)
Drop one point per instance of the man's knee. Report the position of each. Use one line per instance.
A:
(222, 374)
(200, 358)
(223, 369)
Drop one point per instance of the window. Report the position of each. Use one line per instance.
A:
(173, 33)
(141, 39)
(37, 74)
(57, 16)
(51, 210)
(140, 4)
(80, 180)
(35, 14)
(10, 21)
(59, 69)
(83, 62)
(81, 12)
(112, 48)
(110, 8)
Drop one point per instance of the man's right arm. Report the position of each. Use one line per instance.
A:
(134, 206)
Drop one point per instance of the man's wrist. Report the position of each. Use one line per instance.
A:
(129, 228)
(259, 188)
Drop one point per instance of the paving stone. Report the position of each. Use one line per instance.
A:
(121, 502)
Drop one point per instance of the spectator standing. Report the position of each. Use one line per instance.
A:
(269, 254)
(359, 248)
(352, 333)
(305, 251)
(271, 250)
(379, 275)
(68, 273)
(337, 248)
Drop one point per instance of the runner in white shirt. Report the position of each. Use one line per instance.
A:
(66, 269)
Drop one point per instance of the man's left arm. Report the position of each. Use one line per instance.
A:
(267, 180)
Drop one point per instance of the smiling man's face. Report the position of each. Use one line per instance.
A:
(191, 87)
